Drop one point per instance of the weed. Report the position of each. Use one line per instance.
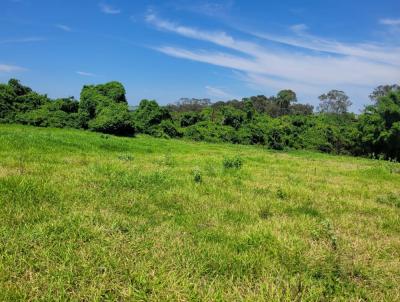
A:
(390, 200)
(235, 162)
(125, 157)
(326, 232)
(281, 194)
(169, 160)
(197, 176)
(265, 213)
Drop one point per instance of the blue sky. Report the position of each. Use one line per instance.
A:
(165, 50)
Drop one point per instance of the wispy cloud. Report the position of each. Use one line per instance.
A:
(318, 63)
(85, 74)
(299, 28)
(22, 40)
(369, 51)
(208, 8)
(108, 9)
(391, 22)
(5, 68)
(64, 27)
(217, 92)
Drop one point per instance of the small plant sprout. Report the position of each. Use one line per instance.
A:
(197, 176)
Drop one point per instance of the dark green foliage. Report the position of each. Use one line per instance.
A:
(197, 176)
(232, 117)
(149, 114)
(170, 129)
(379, 127)
(113, 90)
(18, 88)
(30, 101)
(284, 99)
(48, 116)
(68, 105)
(210, 132)
(383, 90)
(301, 109)
(7, 99)
(190, 118)
(103, 108)
(113, 119)
(278, 122)
(235, 162)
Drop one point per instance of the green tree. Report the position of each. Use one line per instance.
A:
(7, 98)
(148, 114)
(379, 126)
(335, 102)
(104, 108)
(18, 88)
(232, 117)
(113, 119)
(382, 90)
(284, 99)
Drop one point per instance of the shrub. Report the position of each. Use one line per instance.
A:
(113, 119)
(233, 162)
(197, 176)
(189, 119)
(170, 129)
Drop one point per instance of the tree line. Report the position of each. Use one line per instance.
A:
(278, 122)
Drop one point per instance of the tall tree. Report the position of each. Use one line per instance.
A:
(380, 126)
(382, 90)
(335, 101)
(284, 99)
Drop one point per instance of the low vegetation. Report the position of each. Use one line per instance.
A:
(277, 122)
(89, 216)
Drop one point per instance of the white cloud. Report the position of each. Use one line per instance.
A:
(86, 74)
(217, 92)
(355, 66)
(298, 28)
(4, 68)
(64, 27)
(369, 51)
(391, 22)
(108, 9)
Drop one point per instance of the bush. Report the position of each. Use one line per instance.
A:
(170, 129)
(149, 114)
(113, 119)
(197, 176)
(189, 119)
(233, 162)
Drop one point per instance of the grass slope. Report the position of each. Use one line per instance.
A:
(91, 217)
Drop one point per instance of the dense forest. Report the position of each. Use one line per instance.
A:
(278, 122)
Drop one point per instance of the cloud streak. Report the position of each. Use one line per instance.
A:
(22, 40)
(64, 27)
(85, 74)
(217, 92)
(108, 9)
(316, 65)
(391, 22)
(5, 68)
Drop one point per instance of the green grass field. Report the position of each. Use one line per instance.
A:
(90, 217)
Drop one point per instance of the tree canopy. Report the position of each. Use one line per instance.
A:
(278, 122)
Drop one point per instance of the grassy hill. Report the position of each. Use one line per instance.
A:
(86, 216)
